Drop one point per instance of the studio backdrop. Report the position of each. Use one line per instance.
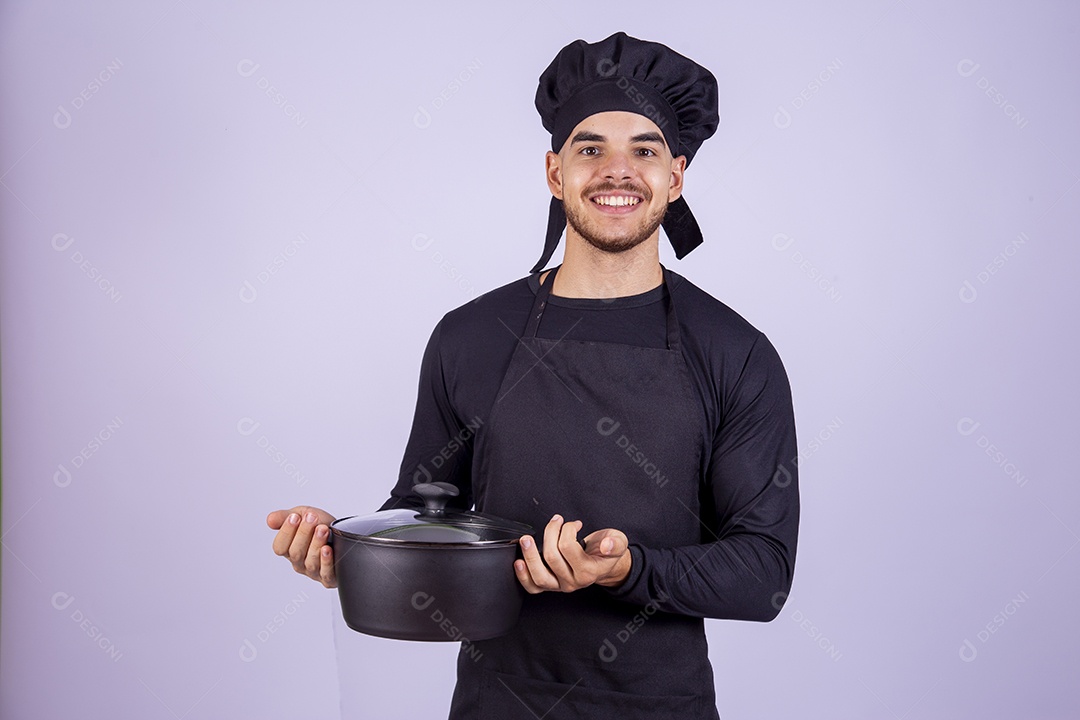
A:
(228, 229)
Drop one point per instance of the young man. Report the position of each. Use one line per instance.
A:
(608, 397)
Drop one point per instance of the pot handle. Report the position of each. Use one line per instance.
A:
(435, 496)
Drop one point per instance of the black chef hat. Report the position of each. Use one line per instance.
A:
(624, 73)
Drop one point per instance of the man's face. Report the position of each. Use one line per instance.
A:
(615, 176)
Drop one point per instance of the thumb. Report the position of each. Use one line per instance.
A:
(614, 544)
(610, 543)
(276, 519)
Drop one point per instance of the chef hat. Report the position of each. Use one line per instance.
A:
(647, 78)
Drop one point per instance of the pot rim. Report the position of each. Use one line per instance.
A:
(396, 542)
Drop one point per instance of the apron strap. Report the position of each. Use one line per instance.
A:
(674, 338)
(540, 302)
(674, 341)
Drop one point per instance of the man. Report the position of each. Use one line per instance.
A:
(612, 398)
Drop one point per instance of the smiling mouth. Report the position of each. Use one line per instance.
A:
(616, 200)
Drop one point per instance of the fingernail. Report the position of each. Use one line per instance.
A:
(326, 552)
(310, 517)
(557, 517)
(322, 532)
(526, 542)
(294, 519)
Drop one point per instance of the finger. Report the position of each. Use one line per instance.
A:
(276, 519)
(607, 543)
(569, 546)
(523, 576)
(326, 568)
(284, 538)
(539, 574)
(552, 555)
(298, 550)
(313, 561)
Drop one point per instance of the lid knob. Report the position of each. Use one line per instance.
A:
(435, 496)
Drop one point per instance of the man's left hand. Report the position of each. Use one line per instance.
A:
(566, 566)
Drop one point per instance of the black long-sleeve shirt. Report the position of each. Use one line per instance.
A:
(743, 567)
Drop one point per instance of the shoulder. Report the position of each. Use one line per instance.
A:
(497, 314)
(709, 322)
(734, 360)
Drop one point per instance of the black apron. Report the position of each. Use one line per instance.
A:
(611, 435)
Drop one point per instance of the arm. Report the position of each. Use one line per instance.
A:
(743, 569)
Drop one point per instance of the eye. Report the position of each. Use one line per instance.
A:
(647, 152)
(590, 150)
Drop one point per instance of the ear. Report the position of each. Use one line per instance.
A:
(553, 172)
(675, 185)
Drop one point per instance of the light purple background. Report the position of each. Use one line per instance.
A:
(907, 241)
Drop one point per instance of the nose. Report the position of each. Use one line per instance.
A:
(617, 167)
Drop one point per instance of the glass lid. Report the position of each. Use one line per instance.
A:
(433, 523)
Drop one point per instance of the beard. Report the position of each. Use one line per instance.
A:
(618, 241)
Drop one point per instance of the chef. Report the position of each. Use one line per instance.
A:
(643, 427)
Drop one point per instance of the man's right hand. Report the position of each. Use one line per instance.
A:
(303, 536)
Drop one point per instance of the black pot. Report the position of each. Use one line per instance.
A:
(431, 574)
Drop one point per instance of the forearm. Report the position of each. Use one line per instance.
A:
(741, 577)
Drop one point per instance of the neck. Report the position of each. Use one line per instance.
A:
(587, 272)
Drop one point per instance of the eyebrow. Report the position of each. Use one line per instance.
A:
(647, 137)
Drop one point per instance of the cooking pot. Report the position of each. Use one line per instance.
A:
(428, 574)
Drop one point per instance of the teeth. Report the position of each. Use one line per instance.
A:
(617, 201)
